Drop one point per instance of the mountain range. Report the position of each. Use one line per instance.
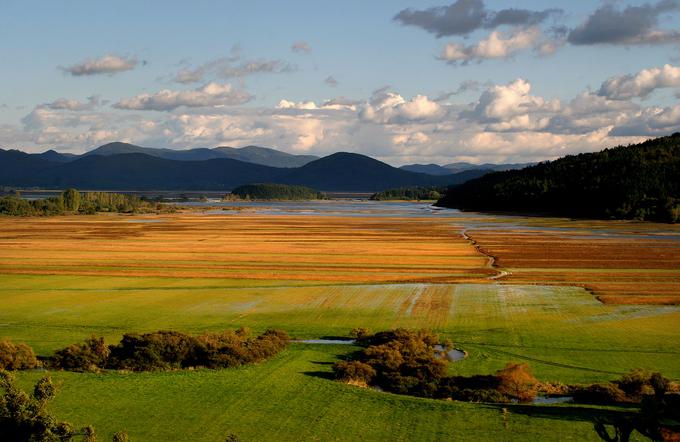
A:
(122, 166)
(447, 169)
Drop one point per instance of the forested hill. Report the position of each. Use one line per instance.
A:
(640, 181)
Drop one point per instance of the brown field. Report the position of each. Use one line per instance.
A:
(251, 247)
(618, 269)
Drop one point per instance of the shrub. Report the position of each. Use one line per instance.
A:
(91, 355)
(517, 381)
(166, 350)
(601, 394)
(636, 383)
(354, 371)
(16, 356)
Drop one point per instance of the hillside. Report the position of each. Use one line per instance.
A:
(640, 181)
(139, 171)
(354, 172)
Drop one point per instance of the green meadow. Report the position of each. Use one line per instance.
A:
(564, 333)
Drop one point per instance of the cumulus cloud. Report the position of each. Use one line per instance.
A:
(496, 45)
(632, 25)
(332, 104)
(511, 107)
(411, 139)
(108, 64)
(625, 87)
(212, 94)
(386, 107)
(589, 112)
(466, 16)
(652, 121)
(301, 47)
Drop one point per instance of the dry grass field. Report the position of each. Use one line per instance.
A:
(253, 247)
(618, 268)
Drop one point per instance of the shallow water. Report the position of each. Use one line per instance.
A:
(325, 341)
(543, 400)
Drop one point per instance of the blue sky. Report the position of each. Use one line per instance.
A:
(518, 104)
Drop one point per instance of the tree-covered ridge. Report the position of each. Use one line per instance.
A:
(72, 201)
(410, 194)
(266, 191)
(640, 181)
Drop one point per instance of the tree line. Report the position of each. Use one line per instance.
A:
(161, 350)
(74, 202)
(410, 193)
(268, 191)
(640, 181)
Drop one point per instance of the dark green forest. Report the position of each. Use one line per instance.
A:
(640, 181)
(275, 192)
(410, 193)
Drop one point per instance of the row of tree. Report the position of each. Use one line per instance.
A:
(75, 202)
(639, 181)
(267, 191)
(423, 193)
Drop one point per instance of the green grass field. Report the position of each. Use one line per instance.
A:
(82, 286)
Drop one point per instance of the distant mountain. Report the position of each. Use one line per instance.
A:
(53, 155)
(430, 169)
(459, 167)
(265, 156)
(140, 171)
(639, 181)
(435, 169)
(250, 154)
(354, 172)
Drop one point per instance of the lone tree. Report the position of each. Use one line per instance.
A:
(71, 199)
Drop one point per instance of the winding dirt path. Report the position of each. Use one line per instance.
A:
(491, 263)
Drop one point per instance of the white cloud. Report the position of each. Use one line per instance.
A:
(416, 138)
(643, 83)
(510, 106)
(332, 104)
(212, 94)
(652, 121)
(387, 107)
(108, 64)
(496, 45)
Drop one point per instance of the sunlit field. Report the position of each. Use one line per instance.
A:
(65, 278)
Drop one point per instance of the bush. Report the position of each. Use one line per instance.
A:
(516, 381)
(636, 384)
(354, 371)
(167, 350)
(91, 355)
(600, 394)
(16, 356)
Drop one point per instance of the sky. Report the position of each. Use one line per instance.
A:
(402, 81)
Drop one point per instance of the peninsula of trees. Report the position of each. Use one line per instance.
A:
(279, 192)
(640, 181)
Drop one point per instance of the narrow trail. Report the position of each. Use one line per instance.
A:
(491, 263)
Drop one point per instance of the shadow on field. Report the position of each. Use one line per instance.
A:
(568, 413)
(328, 375)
